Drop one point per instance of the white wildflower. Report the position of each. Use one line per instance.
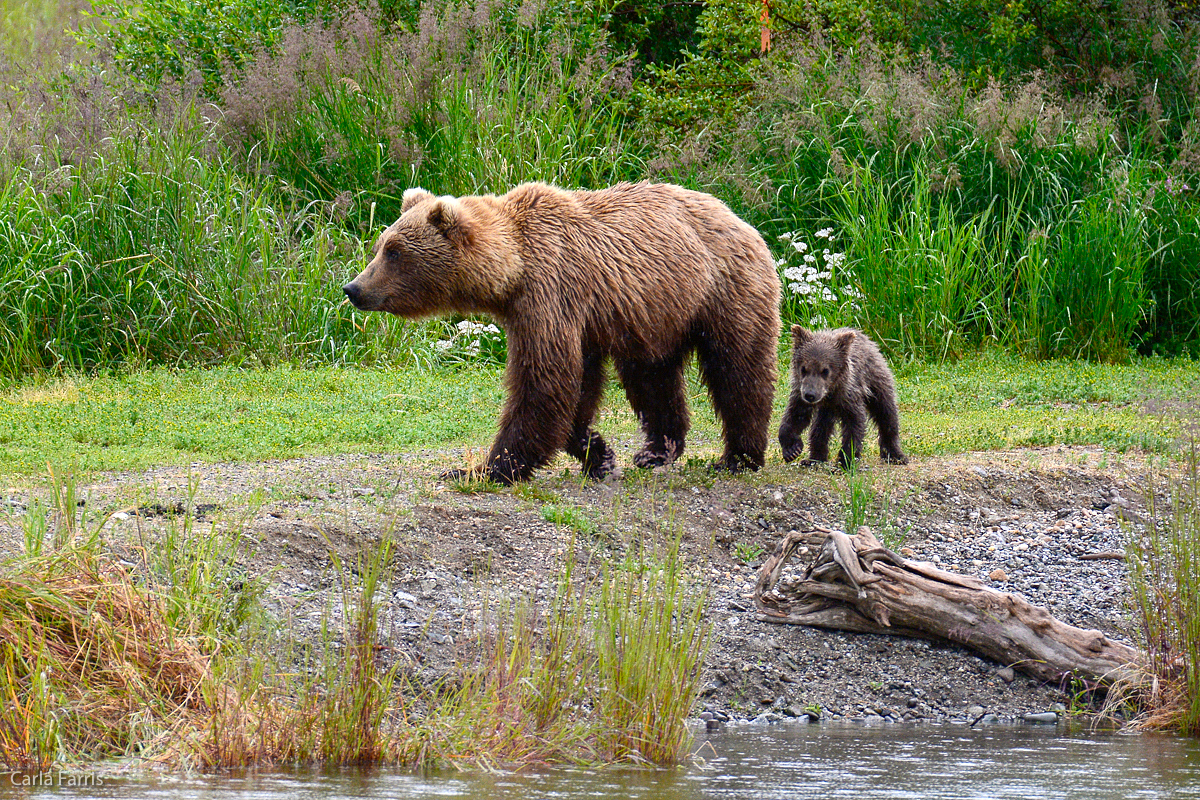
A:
(810, 258)
(800, 247)
(824, 233)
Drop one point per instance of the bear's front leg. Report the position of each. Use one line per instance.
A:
(543, 374)
(791, 428)
(854, 429)
(818, 438)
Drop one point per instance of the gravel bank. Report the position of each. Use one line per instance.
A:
(1030, 522)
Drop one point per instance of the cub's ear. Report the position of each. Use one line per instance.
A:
(450, 218)
(800, 335)
(413, 196)
(844, 340)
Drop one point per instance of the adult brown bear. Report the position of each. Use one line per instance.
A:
(642, 273)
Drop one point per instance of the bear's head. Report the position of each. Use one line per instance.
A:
(819, 362)
(440, 255)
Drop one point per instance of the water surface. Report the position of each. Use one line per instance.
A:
(752, 762)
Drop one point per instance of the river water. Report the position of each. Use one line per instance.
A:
(759, 762)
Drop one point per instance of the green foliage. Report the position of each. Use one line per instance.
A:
(170, 39)
(748, 552)
(574, 518)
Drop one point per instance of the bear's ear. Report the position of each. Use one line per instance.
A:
(413, 196)
(844, 340)
(449, 217)
(800, 335)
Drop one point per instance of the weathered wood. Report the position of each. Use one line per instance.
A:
(854, 583)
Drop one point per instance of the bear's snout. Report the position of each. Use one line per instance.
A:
(354, 292)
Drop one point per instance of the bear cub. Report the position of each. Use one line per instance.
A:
(840, 376)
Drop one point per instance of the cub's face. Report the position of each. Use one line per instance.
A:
(812, 379)
(413, 263)
(818, 361)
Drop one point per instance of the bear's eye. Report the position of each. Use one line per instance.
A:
(825, 372)
(803, 371)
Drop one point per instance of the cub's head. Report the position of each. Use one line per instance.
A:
(417, 263)
(819, 362)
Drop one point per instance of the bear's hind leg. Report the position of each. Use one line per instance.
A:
(585, 444)
(656, 393)
(740, 374)
(883, 409)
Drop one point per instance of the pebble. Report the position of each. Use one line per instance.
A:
(1044, 718)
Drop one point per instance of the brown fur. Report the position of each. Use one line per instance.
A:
(840, 376)
(642, 273)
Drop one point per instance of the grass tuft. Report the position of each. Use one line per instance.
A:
(1164, 572)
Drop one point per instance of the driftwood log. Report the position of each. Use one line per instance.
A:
(854, 583)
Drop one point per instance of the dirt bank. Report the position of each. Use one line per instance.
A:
(1028, 514)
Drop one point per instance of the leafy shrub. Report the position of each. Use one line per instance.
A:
(158, 39)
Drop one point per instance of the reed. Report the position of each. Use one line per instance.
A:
(1164, 573)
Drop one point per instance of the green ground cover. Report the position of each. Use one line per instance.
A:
(161, 416)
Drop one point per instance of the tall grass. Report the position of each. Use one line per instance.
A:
(143, 225)
(929, 286)
(1164, 571)
(608, 674)
(466, 103)
(167, 652)
(970, 216)
(156, 252)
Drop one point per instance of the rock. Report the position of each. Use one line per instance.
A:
(998, 575)
(1044, 718)
(1006, 674)
(1058, 708)
(975, 712)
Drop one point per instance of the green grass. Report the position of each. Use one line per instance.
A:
(158, 416)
